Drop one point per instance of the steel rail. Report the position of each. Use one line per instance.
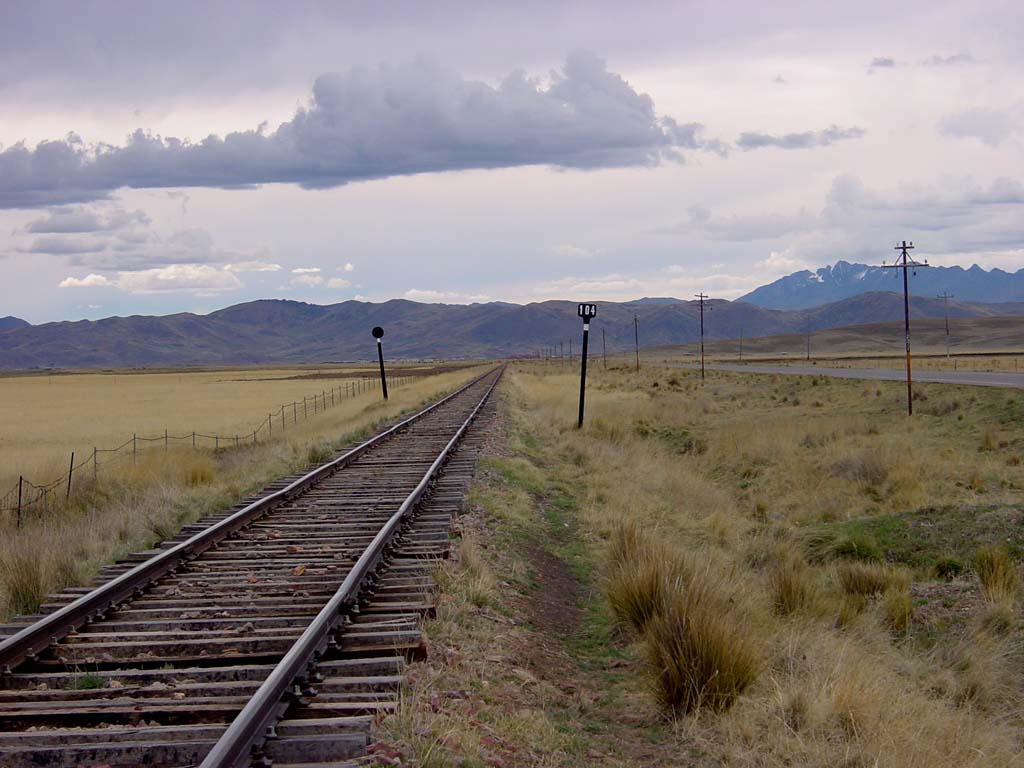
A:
(35, 638)
(252, 727)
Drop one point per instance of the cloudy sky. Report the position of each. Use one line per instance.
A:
(185, 156)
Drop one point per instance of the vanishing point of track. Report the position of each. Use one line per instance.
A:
(273, 634)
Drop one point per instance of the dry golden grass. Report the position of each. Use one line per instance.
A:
(997, 573)
(793, 585)
(45, 418)
(735, 474)
(136, 506)
(866, 578)
(699, 654)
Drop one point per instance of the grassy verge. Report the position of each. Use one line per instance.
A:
(866, 561)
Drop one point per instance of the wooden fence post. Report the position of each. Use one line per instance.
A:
(95, 464)
(134, 447)
(71, 470)
(21, 481)
(165, 440)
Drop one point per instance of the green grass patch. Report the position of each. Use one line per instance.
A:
(935, 538)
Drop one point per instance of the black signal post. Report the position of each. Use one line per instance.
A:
(378, 334)
(587, 312)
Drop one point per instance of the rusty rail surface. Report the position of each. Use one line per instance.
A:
(145, 605)
(250, 728)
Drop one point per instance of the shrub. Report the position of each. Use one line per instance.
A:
(701, 656)
(997, 573)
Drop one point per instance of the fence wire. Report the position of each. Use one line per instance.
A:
(27, 497)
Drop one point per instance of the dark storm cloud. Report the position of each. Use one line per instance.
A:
(805, 140)
(373, 123)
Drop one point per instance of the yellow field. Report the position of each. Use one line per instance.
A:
(45, 418)
(132, 506)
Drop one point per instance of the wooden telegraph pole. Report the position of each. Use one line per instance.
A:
(702, 298)
(945, 296)
(904, 262)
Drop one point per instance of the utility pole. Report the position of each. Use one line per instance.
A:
(587, 312)
(604, 349)
(636, 341)
(807, 330)
(905, 262)
(945, 311)
(700, 298)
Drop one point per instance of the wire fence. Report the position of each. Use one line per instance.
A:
(29, 498)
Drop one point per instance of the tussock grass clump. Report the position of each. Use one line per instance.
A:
(997, 573)
(792, 585)
(824, 545)
(868, 466)
(641, 575)
(26, 579)
(479, 583)
(700, 655)
(899, 609)
(867, 578)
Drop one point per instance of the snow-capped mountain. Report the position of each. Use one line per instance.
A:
(805, 289)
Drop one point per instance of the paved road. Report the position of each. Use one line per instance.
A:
(970, 378)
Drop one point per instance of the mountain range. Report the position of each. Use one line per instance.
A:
(289, 332)
(805, 289)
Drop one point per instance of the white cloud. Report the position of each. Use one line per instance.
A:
(305, 270)
(307, 279)
(200, 279)
(338, 282)
(782, 262)
(445, 297)
(568, 251)
(89, 281)
(347, 268)
(253, 266)
(989, 126)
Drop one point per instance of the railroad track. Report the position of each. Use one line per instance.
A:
(274, 634)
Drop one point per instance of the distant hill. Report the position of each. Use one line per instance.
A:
(279, 332)
(10, 322)
(805, 289)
